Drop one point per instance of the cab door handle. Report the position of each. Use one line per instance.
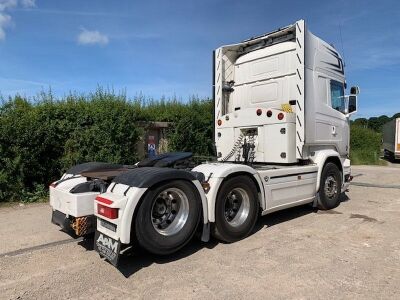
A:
(334, 133)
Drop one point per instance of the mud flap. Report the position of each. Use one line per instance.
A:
(107, 247)
(60, 219)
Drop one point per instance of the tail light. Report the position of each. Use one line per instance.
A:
(259, 112)
(280, 116)
(108, 212)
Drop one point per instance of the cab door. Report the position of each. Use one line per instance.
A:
(339, 131)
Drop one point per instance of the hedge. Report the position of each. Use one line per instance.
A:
(365, 145)
(40, 138)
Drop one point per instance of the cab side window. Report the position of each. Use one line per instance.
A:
(337, 96)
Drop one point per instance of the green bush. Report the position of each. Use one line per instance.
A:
(193, 129)
(364, 145)
(40, 139)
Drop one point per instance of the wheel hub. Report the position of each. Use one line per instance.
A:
(330, 186)
(170, 211)
(237, 206)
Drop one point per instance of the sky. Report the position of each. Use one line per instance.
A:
(164, 48)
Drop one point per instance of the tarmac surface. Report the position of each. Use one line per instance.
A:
(350, 252)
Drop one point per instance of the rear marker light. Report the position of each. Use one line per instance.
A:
(108, 212)
(104, 200)
(219, 122)
(280, 116)
(269, 114)
(259, 112)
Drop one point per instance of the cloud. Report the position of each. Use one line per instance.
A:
(92, 37)
(7, 4)
(5, 19)
(28, 3)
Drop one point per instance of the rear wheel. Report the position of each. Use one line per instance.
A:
(330, 187)
(236, 209)
(167, 217)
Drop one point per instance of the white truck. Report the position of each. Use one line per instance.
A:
(281, 137)
(391, 139)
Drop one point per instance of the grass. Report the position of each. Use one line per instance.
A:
(366, 157)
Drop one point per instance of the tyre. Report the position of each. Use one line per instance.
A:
(167, 217)
(236, 209)
(330, 187)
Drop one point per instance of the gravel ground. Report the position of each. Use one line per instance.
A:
(351, 252)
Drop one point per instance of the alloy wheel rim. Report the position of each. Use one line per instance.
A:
(170, 211)
(237, 207)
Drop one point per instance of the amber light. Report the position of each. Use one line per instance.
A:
(280, 116)
(219, 122)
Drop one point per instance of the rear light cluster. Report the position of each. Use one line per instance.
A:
(105, 211)
(108, 212)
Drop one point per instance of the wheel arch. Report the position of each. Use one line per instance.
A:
(260, 191)
(217, 173)
(322, 158)
(133, 204)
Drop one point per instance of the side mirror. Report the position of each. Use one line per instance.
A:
(354, 90)
(352, 105)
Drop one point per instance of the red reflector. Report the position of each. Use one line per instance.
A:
(259, 112)
(280, 116)
(219, 122)
(108, 212)
(103, 200)
(269, 113)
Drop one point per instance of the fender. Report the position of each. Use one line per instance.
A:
(215, 173)
(140, 180)
(320, 158)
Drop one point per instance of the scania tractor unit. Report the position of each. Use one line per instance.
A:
(281, 137)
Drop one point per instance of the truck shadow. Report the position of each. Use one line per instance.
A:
(285, 215)
(136, 259)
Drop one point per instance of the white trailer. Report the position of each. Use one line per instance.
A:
(391, 139)
(282, 140)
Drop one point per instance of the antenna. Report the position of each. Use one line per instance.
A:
(341, 41)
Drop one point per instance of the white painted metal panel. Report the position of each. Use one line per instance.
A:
(300, 99)
(76, 205)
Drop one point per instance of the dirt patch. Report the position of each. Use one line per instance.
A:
(363, 217)
(330, 212)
